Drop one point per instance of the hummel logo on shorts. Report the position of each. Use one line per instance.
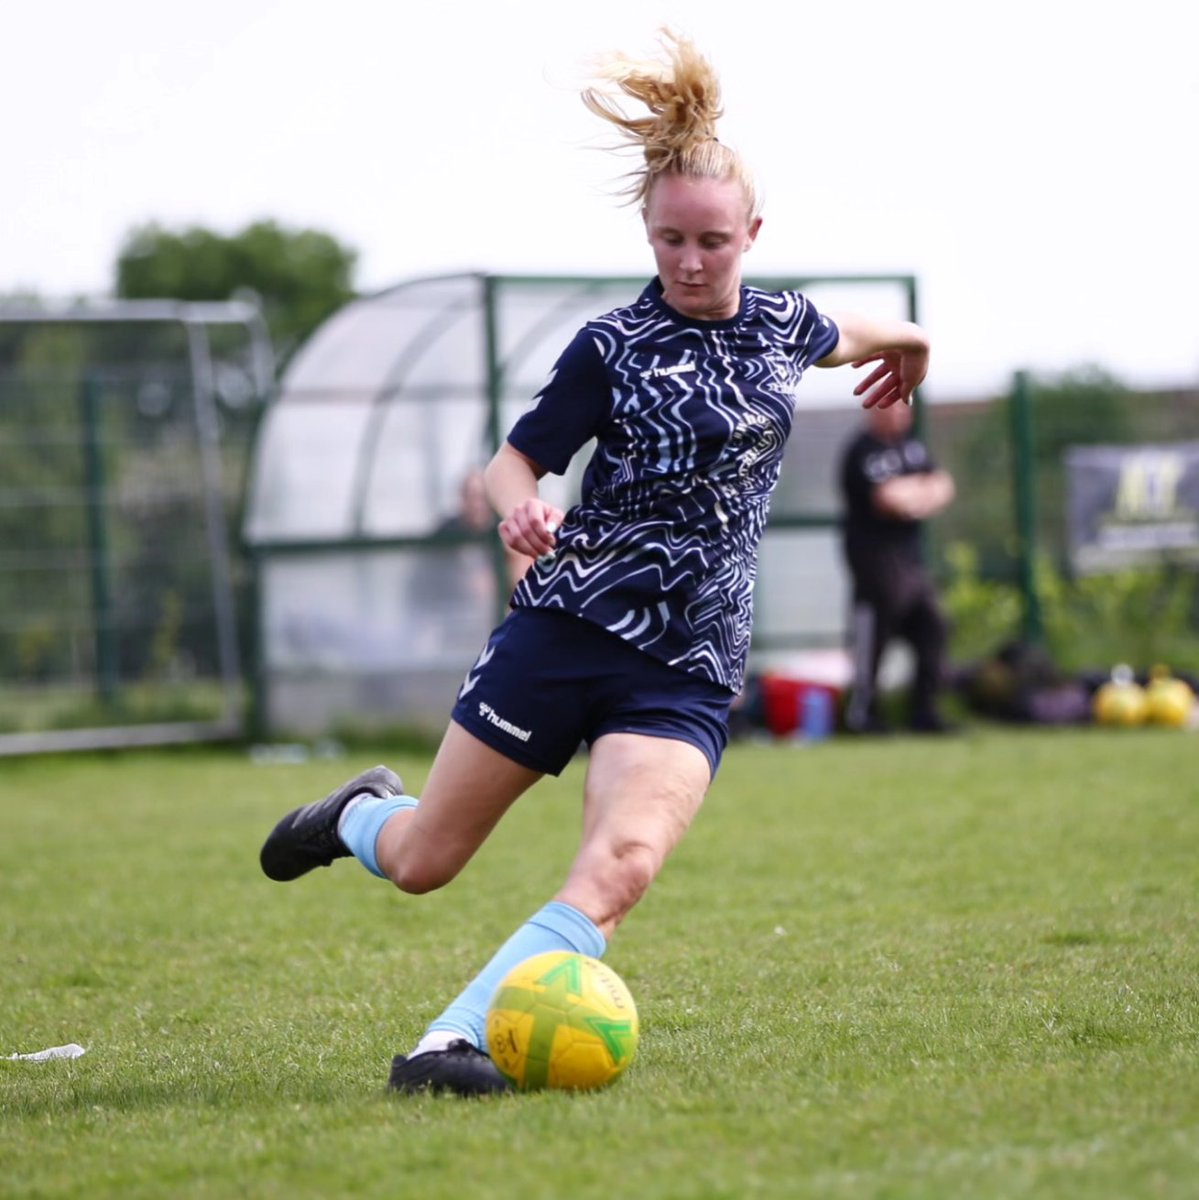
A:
(489, 714)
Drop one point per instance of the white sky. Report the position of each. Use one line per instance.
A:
(1034, 164)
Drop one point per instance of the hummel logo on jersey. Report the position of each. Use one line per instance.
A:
(683, 368)
(489, 714)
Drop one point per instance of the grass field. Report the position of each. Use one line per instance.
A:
(964, 968)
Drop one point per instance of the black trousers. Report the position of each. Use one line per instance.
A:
(894, 597)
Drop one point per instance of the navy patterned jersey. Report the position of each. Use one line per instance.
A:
(690, 419)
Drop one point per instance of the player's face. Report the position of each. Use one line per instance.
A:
(699, 229)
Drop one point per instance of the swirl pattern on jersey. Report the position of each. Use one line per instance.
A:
(662, 547)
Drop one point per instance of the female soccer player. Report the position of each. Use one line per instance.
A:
(630, 632)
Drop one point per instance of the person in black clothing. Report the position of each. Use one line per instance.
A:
(890, 485)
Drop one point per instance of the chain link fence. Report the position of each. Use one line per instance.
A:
(122, 461)
(127, 612)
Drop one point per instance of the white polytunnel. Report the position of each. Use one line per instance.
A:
(377, 577)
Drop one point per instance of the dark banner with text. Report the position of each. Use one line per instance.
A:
(1132, 506)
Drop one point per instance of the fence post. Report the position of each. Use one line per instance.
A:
(1024, 493)
(493, 375)
(95, 502)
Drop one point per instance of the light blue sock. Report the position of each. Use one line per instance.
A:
(557, 926)
(361, 823)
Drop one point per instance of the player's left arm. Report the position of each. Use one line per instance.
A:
(899, 347)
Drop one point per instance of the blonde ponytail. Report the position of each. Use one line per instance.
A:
(682, 94)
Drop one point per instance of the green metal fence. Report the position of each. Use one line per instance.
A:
(125, 596)
(122, 458)
(1002, 550)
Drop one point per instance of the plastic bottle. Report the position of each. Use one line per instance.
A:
(815, 715)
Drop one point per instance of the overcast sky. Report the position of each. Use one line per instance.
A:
(1033, 164)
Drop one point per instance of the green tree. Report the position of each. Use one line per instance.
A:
(300, 275)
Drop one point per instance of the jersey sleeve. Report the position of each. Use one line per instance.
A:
(823, 338)
(569, 410)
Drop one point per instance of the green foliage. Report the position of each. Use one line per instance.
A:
(1090, 623)
(1142, 618)
(886, 970)
(57, 707)
(102, 483)
(41, 460)
(164, 645)
(983, 613)
(301, 275)
(97, 486)
(1085, 406)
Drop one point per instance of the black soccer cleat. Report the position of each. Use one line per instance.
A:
(459, 1068)
(932, 722)
(307, 837)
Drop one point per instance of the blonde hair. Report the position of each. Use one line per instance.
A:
(682, 94)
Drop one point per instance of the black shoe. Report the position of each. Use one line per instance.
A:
(932, 723)
(459, 1068)
(308, 838)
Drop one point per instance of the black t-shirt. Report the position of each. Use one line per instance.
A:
(867, 462)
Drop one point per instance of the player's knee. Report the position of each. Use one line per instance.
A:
(626, 876)
(417, 877)
(607, 882)
(639, 864)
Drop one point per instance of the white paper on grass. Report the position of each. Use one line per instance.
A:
(70, 1050)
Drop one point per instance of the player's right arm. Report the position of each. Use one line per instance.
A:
(565, 414)
(511, 479)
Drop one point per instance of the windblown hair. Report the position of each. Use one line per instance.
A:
(682, 94)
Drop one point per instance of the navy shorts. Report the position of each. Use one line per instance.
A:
(547, 681)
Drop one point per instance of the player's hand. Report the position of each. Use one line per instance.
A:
(896, 377)
(529, 528)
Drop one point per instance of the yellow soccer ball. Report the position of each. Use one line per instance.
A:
(562, 1020)
(1169, 702)
(1120, 703)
